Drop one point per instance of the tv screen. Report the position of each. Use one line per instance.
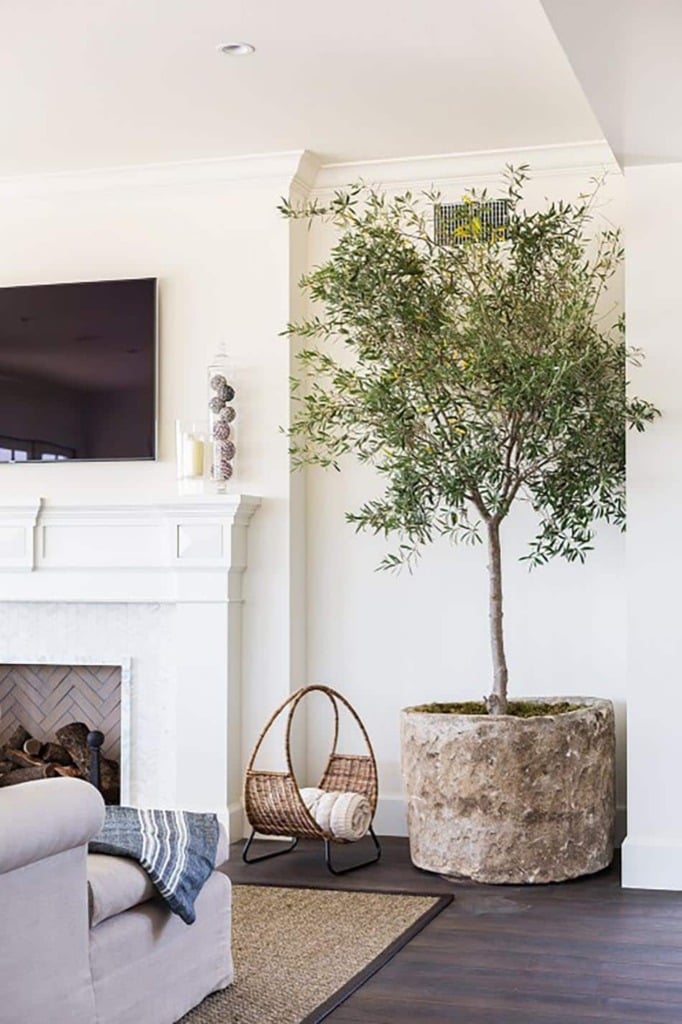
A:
(78, 371)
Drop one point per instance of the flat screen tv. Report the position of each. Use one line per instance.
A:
(78, 371)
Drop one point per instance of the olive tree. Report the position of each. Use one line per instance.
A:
(475, 374)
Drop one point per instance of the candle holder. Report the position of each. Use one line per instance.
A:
(191, 449)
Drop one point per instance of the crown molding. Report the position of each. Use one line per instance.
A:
(269, 169)
(445, 169)
(302, 171)
(305, 178)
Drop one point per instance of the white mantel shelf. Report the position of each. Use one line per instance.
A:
(189, 550)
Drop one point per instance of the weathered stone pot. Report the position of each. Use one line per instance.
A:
(511, 800)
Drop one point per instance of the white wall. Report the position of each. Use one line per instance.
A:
(652, 853)
(212, 235)
(388, 641)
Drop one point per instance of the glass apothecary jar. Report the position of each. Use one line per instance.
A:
(191, 453)
(221, 421)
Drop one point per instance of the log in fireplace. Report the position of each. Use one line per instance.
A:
(75, 754)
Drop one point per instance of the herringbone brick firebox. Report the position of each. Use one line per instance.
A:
(43, 698)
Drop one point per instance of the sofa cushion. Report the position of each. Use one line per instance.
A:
(115, 884)
(148, 967)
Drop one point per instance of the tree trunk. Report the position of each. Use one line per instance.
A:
(497, 701)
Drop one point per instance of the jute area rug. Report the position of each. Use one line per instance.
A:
(299, 952)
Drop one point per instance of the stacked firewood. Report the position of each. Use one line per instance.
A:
(23, 758)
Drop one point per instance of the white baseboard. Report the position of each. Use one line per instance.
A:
(651, 864)
(235, 825)
(391, 816)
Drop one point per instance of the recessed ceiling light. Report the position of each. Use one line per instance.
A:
(237, 49)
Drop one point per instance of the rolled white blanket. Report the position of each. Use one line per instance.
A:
(344, 815)
(351, 816)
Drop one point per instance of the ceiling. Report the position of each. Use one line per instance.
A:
(628, 56)
(95, 83)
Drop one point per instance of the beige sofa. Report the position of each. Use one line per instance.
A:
(84, 939)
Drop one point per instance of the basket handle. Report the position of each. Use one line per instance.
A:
(292, 702)
(360, 724)
(335, 696)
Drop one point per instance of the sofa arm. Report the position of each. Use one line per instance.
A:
(40, 819)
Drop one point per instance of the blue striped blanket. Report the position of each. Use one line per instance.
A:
(177, 849)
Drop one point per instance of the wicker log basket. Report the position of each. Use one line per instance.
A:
(272, 799)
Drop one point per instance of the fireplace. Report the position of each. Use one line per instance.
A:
(50, 716)
(155, 591)
(43, 698)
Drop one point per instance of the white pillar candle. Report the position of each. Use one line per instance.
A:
(192, 456)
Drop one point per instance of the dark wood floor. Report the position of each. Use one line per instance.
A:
(553, 954)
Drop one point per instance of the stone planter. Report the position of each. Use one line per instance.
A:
(511, 800)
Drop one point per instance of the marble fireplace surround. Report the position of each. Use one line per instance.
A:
(155, 588)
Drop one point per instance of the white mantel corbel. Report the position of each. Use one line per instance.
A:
(17, 536)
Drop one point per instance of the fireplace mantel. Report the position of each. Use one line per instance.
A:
(156, 587)
(191, 550)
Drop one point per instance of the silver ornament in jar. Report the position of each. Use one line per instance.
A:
(221, 430)
(221, 391)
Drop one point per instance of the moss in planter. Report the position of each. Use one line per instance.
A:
(515, 709)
